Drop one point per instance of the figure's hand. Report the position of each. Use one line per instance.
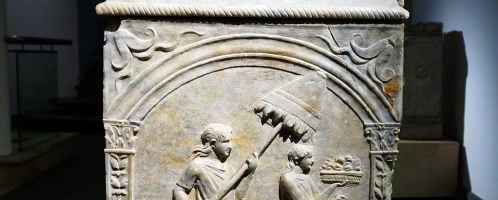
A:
(252, 162)
(344, 183)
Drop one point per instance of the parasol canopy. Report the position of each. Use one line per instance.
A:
(297, 105)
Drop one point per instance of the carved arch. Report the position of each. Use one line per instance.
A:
(358, 91)
(148, 88)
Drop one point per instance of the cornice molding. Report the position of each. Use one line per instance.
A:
(116, 8)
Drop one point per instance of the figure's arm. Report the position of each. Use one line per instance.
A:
(185, 184)
(290, 189)
(180, 193)
(247, 170)
(325, 194)
(243, 185)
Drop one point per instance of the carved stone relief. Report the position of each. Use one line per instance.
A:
(383, 139)
(251, 111)
(127, 51)
(342, 168)
(120, 139)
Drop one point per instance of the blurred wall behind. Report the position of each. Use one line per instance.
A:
(478, 20)
(50, 19)
(5, 136)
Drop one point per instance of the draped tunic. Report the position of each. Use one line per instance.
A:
(295, 186)
(206, 176)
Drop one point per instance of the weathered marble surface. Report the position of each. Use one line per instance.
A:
(324, 9)
(186, 100)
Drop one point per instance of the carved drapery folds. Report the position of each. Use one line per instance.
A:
(120, 136)
(383, 140)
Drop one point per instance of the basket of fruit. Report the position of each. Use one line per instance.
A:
(342, 169)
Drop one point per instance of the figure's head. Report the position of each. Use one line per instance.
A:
(301, 155)
(218, 136)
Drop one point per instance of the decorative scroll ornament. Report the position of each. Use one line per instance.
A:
(378, 57)
(380, 52)
(125, 46)
(120, 139)
(383, 140)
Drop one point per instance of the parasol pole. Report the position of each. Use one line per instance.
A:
(242, 170)
(291, 106)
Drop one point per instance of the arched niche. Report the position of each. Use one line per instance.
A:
(149, 87)
(146, 91)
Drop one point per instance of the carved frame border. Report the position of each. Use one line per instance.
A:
(120, 135)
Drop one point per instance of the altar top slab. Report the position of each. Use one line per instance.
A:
(315, 9)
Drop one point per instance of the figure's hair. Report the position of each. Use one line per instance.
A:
(201, 151)
(218, 132)
(297, 153)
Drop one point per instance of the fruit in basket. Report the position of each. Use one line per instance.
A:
(341, 169)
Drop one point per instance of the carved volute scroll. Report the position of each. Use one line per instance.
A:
(193, 108)
(378, 58)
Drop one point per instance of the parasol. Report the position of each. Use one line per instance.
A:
(295, 107)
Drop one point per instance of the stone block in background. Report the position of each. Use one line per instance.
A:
(426, 169)
(423, 73)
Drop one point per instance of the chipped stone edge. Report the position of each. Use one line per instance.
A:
(158, 9)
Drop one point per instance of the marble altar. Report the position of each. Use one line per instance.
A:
(241, 99)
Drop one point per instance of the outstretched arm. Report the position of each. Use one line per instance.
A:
(243, 186)
(180, 193)
(325, 194)
(243, 170)
(247, 170)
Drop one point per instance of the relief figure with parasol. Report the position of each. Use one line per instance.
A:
(294, 110)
